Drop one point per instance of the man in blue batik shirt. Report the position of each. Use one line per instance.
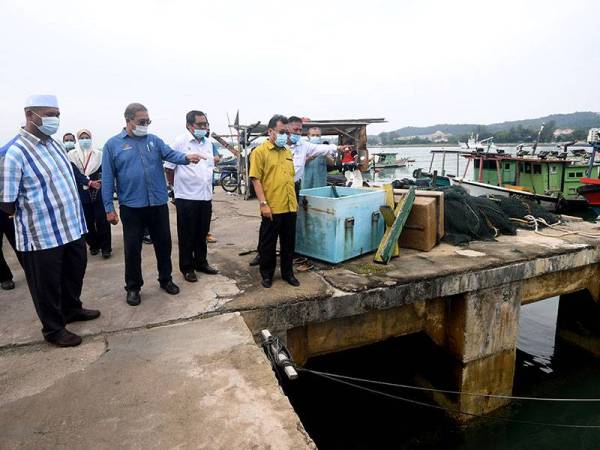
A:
(132, 161)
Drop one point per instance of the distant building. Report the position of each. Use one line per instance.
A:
(562, 132)
(438, 136)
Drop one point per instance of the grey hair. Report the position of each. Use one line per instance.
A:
(133, 108)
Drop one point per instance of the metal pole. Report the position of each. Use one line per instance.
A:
(444, 163)
(592, 159)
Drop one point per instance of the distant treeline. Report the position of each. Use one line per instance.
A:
(505, 132)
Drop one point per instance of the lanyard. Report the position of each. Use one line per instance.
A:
(87, 162)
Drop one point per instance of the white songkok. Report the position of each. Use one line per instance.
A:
(47, 101)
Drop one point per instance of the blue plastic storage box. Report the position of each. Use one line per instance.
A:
(337, 228)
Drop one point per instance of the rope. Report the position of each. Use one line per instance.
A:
(273, 346)
(457, 411)
(446, 391)
(534, 223)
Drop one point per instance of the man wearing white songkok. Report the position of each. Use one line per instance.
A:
(87, 167)
(37, 186)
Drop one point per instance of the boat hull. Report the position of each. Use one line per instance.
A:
(591, 192)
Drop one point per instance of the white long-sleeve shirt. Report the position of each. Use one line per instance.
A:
(304, 149)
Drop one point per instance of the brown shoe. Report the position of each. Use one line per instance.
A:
(211, 239)
(64, 338)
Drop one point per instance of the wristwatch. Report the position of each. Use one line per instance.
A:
(264, 203)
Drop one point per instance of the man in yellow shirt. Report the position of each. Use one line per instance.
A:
(272, 174)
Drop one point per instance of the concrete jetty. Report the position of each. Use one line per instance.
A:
(184, 372)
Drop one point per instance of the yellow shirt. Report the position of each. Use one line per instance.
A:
(274, 167)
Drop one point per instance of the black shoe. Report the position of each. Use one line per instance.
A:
(267, 282)
(293, 281)
(170, 288)
(106, 254)
(190, 276)
(7, 285)
(255, 261)
(94, 251)
(205, 268)
(64, 338)
(147, 239)
(133, 298)
(83, 315)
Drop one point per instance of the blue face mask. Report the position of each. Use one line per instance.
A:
(199, 134)
(281, 140)
(69, 145)
(295, 138)
(85, 144)
(49, 125)
(315, 139)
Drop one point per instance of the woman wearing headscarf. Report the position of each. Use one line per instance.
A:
(87, 165)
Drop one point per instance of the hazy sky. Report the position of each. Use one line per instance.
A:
(412, 62)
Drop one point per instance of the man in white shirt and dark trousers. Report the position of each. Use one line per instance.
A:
(193, 196)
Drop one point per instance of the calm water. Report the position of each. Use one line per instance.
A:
(340, 417)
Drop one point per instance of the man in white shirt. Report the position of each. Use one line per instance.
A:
(193, 196)
(302, 150)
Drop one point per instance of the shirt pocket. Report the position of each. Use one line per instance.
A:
(288, 166)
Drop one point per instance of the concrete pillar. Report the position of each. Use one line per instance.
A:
(481, 334)
(579, 321)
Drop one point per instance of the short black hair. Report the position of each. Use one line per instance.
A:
(277, 118)
(68, 134)
(133, 108)
(190, 118)
(294, 119)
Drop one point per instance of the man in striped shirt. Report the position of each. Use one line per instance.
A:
(37, 186)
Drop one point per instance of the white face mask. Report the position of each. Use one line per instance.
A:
(140, 130)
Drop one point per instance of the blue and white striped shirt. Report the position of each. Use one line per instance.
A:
(37, 176)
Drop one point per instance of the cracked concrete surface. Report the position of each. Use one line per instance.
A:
(200, 384)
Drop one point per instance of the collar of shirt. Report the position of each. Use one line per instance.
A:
(34, 140)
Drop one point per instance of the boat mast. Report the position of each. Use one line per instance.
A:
(537, 139)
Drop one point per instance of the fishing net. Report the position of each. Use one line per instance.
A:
(464, 221)
(470, 218)
(518, 208)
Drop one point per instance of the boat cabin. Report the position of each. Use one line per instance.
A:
(539, 175)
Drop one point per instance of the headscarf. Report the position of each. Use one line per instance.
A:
(87, 161)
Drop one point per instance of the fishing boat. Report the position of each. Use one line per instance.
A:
(550, 178)
(474, 144)
(387, 160)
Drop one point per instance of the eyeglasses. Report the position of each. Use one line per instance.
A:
(144, 122)
(282, 132)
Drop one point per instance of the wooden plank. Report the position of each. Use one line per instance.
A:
(391, 202)
(388, 215)
(390, 238)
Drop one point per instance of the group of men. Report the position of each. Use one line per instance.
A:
(52, 201)
(40, 187)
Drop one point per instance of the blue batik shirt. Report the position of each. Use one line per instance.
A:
(134, 167)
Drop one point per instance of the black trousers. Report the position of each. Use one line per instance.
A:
(55, 278)
(156, 220)
(282, 226)
(98, 236)
(7, 228)
(193, 223)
